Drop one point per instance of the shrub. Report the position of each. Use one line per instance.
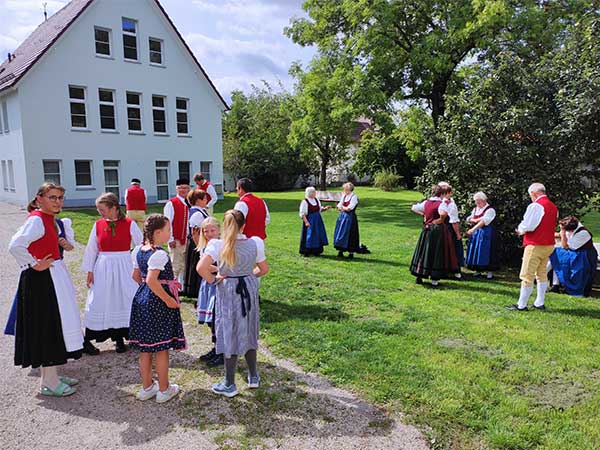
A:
(387, 179)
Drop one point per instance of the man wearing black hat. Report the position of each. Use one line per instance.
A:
(135, 202)
(177, 211)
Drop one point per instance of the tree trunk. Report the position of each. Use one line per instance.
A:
(323, 175)
(438, 98)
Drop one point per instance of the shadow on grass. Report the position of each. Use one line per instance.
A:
(279, 311)
(579, 312)
(360, 258)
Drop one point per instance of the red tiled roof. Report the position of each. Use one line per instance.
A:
(46, 34)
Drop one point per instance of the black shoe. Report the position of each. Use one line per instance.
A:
(419, 280)
(340, 254)
(89, 349)
(516, 308)
(217, 361)
(555, 288)
(477, 274)
(210, 355)
(540, 308)
(350, 255)
(120, 346)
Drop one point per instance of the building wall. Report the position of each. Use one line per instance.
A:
(72, 61)
(11, 149)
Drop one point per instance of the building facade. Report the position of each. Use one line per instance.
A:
(102, 92)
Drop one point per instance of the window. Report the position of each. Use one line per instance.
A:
(111, 177)
(107, 109)
(77, 100)
(129, 39)
(11, 176)
(205, 169)
(4, 176)
(159, 114)
(134, 111)
(162, 180)
(102, 38)
(182, 116)
(1, 127)
(155, 46)
(52, 171)
(5, 116)
(83, 173)
(185, 169)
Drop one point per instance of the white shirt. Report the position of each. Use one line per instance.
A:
(352, 198)
(243, 208)
(304, 206)
(169, 212)
(157, 261)
(215, 246)
(197, 218)
(576, 240)
(92, 250)
(30, 231)
(451, 209)
(210, 190)
(419, 208)
(532, 218)
(145, 195)
(488, 216)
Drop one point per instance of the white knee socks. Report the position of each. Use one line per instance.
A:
(541, 293)
(524, 296)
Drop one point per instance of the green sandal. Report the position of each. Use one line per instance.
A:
(69, 381)
(62, 390)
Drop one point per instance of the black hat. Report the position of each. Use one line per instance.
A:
(181, 181)
(136, 180)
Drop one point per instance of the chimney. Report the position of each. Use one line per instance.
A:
(45, 12)
(9, 57)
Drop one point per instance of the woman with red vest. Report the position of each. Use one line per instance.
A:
(108, 264)
(253, 208)
(177, 211)
(537, 228)
(435, 254)
(135, 202)
(346, 236)
(482, 247)
(211, 194)
(48, 328)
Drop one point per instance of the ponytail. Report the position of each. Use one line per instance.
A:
(47, 186)
(233, 222)
(111, 200)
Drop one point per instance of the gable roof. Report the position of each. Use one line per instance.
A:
(48, 32)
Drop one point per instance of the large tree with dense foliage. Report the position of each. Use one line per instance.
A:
(255, 143)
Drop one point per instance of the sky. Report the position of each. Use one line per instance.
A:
(238, 42)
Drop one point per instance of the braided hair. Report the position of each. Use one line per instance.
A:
(153, 223)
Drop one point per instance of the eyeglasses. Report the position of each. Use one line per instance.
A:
(55, 198)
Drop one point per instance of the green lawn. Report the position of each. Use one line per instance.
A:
(471, 374)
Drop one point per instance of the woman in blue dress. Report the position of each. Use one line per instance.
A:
(313, 237)
(345, 236)
(482, 247)
(574, 262)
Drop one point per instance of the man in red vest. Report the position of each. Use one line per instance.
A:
(537, 228)
(253, 208)
(135, 202)
(177, 211)
(206, 186)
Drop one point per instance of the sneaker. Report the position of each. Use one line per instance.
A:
(217, 361)
(222, 389)
(210, 355)
(172, 391)
(253, 382)
(147, 394)
(89, 349)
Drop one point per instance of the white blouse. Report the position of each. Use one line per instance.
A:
(30, 231)
(575, 241)
(215, 246)
(353, 201)
(449, 206)
(157, 261)
(197, 218)
(419, 208)
(488, 216)
(92, 250)
(69, 233)
(304, 206)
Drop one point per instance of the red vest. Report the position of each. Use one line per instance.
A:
(204, 187)
(431, 211)
(180, 220)
(136, 198)
(257, 214)
(544, 233)
(48, 243)
(120, 242)
(313, 208)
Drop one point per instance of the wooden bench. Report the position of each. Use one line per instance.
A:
(329, 196)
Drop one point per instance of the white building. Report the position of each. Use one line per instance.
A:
(102, 92)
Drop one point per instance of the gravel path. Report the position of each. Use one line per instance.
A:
(291, 410)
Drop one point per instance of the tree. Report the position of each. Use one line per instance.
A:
(255, 141)
(323, 112)
(413, 48)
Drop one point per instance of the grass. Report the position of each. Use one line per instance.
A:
(460, 366)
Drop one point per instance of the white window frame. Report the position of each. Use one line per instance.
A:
(80, 101)
(11, 176)
(162, 165)
(164, 110)
(5, 116)
(185, 111)
(91, 165)
(112, 165)
(112, 104)
(204, 173)
(58, 162)
(134, 106)
(96, 41)
(4, 176)
(161, 52)
(135, 35)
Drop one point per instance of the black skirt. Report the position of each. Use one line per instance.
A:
(191, 283)
(39, 339)
(435, 253)
(103, 335)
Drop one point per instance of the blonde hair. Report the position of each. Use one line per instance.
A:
(111, 200)
(233, 221)
(209, 221)
(46, 187)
